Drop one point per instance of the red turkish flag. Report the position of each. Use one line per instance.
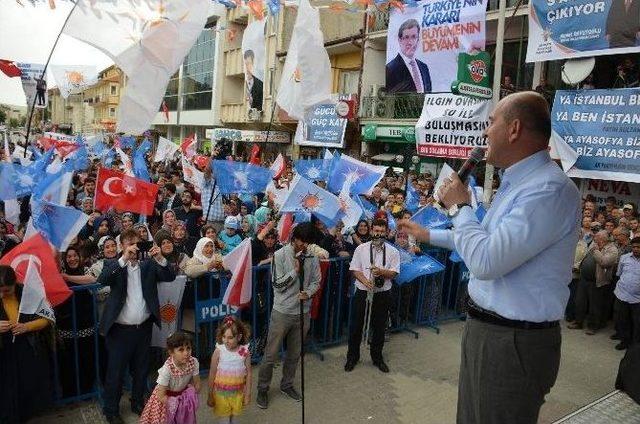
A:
(124, 193)
(38, 250)
(9, 68)
(188, 146)
(255, 155)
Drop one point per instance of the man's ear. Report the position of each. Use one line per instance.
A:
(514, 130)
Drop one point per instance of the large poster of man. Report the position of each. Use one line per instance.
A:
(582, 28)
(253, 55)
(424, 41)
(34, 84)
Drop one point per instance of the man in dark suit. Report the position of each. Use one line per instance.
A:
(254, 85)
(131, 309)
(623, 23)
(405, 73)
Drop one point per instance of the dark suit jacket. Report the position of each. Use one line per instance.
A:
(622, 26)
(256, 94)
(115, 276)
(399, 79)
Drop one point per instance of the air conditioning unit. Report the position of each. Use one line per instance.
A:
(381, 106)
(254, 114)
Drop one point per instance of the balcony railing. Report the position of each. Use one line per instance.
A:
(392, 106)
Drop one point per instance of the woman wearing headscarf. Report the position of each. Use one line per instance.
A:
(248, 226)
(126, 222)
(75, 338)
(181, 241)
(96, 227)
(168, 220)
(24, 356)
(205, 259)
(362, 233)
(177, 260)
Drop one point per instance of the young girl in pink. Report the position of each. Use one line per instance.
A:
(175, 398)
(230, 372)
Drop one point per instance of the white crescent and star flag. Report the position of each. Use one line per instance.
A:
(165, 150)
(306, 75)
(192, 175)
(148, 40)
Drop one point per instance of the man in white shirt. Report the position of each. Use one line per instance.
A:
(131, 309)
(374, 265)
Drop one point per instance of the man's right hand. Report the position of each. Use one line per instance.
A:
(367, 283)
(131, 253)
(5, 326)
(413, 228)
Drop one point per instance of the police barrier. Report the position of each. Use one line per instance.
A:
(80, 361)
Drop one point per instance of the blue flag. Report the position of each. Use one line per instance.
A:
(368, 208)
(240, 177)
(313, 169)
(274, 7)
(77, 160)
(305, 196)
(228, 4)
(127, 142)
(413, 198)
(391, 221)
(455, 257)
(354, 176)
(140, 169)
(301, 216)
(431, 218)
(7, 178)
(421, 265)
(405, 257)
(330, 222)
(25, 179)
(53, 187)
(58, 224)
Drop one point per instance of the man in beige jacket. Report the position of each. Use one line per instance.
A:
(596, 273)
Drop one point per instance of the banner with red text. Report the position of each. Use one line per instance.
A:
(424, 41)
(623, 191)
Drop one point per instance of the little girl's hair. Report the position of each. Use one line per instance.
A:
(236, 326)
(178, 339)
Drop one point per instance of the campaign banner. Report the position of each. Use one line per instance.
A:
(560, 29)
(170, 298)
(73, 78)
(248, 136)
(35, 87)
(254, 47)
(424, 41)
(623, 191)
(596, 133)
(322, 126)
(450, 126)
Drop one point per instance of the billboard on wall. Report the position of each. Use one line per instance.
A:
(560, 29)
(596, 133)
(424, 41)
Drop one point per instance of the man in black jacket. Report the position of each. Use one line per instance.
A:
(130, 311)
(405, 73)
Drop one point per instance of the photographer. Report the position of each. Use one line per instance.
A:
(374, 265)
(130, 311)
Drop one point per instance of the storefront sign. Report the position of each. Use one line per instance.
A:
(473, 75)
(322, 126)
(560, 29)
(424, 42)
(451, 126)
(248, 136)
(597, 133)
(623, 191)
(371, 132)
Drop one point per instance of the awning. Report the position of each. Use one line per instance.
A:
(385, 157)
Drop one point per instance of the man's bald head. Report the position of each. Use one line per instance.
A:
(532, 110)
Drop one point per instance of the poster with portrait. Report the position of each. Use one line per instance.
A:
(582, 28)
(34, 84)
(253, 56)
(424, 41)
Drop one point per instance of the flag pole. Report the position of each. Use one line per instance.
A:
(301, 280)
(44, 71)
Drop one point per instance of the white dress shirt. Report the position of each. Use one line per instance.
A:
(521, 255)
(135, 310)
(407, 63)
(361, 261)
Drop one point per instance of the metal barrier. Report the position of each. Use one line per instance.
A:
(426, 301)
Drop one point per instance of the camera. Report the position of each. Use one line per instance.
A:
(378, 281)
(143, 248)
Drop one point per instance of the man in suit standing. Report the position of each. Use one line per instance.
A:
(254, 84)
(623, 23)
(130, 311)
(405, 73)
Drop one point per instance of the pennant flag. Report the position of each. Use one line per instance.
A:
(306, 76)
(58, 224)
(9, 68)
(124, 193)
(413, 198)
(192, 175)
(188, 146)
(73, 78)
(284, 227)
(239, 261)
(240, 177)
(35, 249)
(148, 40)
(431, 218)
(140, 169)
(354, 176)
(307, 197)
(278, 166)
(170, 298)
(165, 150)
(313, 169)
(421, 265)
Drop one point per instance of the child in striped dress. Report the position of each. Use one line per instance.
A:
(230, 371)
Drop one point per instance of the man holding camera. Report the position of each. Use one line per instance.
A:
(374, 265)
(131, 309)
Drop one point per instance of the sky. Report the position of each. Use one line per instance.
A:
(28, 33)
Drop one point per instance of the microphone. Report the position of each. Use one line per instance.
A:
(476, 155)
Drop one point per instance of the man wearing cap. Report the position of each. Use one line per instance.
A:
(628, 210)
(228, 238)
